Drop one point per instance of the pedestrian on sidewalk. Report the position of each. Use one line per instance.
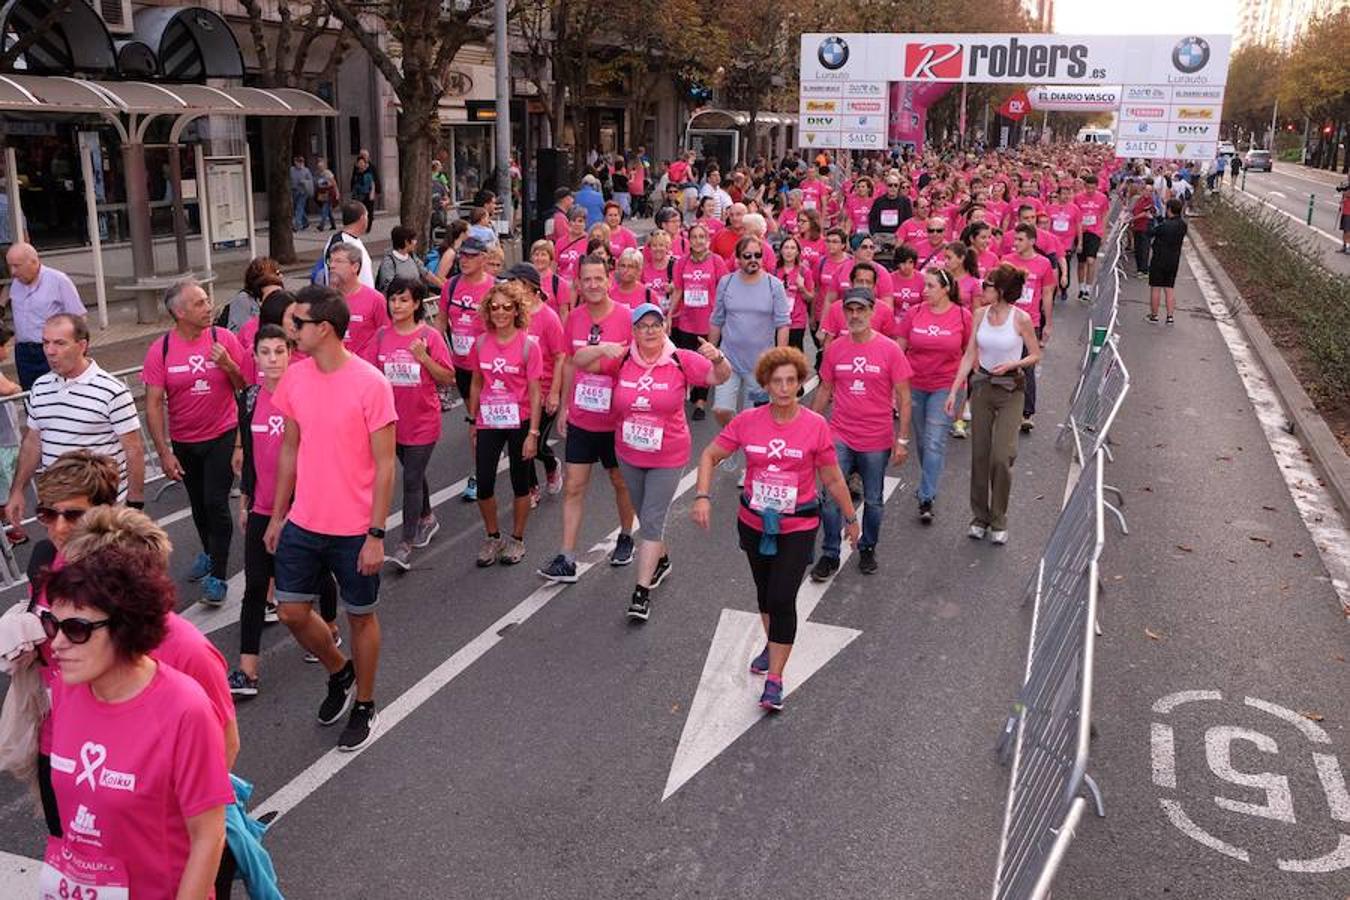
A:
(1168, 237)
(1344, 190)
(1235, 169)
(302, 189)
(36, 294)
(364, 184)
(326, 194)
(262, 272)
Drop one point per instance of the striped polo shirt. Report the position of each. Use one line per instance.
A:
(88, 412)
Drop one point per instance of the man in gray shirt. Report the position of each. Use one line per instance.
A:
(750, 315)
(302, 189)
(37, 293)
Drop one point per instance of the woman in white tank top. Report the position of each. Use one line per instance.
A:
(1002, 344)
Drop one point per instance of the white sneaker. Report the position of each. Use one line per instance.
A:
(998, 537)
(976, 532)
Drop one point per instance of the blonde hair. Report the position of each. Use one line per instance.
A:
(754, 223)
(513, 291)
(80, 473)
(659, 235)
(545, 245)
(116, 526)
(600, 230)
(630, 255)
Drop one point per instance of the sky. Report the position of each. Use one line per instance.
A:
(1146, 17)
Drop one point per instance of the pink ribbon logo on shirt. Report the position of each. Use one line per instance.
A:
(498, 365)
(275, 424)
(644, 383)
(91, 757)
(776, 448)
(859, 365)
(197, 363)
(935, 330)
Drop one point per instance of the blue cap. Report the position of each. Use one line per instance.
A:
(643, 309)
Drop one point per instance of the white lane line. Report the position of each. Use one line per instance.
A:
(333, 762)
(1285, 173)
(1313, 501)
(1334, 238)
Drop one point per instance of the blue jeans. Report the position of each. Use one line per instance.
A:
(326, 214)
(872, 467)
(931, 424)
(300, 215)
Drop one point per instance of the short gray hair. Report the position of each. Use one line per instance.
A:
(350, 251)
(174, 293)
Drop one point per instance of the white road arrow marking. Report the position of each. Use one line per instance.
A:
(724, 706)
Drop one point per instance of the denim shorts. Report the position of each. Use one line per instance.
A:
(303, 558)
(739, 392)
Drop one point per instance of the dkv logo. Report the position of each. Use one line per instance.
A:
(933, 61)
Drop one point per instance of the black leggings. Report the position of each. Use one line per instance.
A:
(1029, 402)
(545, 453)
(416, 492)
(777, 578)
(463, 382)
(1141, 249)
(491, 441)
(258, 566)
(686, 340)
(797, 338)
(207, 478)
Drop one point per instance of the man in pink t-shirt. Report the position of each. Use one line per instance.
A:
(867, 376)
(1037, 301)
(197, 367)
(335, 477)
(366, 306)
(1094, 206)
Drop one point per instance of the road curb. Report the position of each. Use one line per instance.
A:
(1308, 425)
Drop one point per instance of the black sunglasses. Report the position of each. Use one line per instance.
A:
(301, 321)
(77, 631)
(935, 231)
(752, 256)
(47, 515)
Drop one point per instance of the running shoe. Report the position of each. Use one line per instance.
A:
(360, 728)
(1027, 425)
(1151, 318)
(554, 480)
(959, 430)
(623, 551)
(662, 570)
(699, 414)
(825, 567)
(1171, 321)
(201, 567)
(867, 560)
(470, 491)
(965, 415)
(760, 664)
(513, 551)
(241, 685)
(402, 558)
(488, 553)
(341, 685)
(560, 570)
(772, 698)
(337, 642)
(534, 497)
(926, 512)
(270, 613)
(976, 532)
(640, 607)
(213, 591)
(426, 530)
(998, 537)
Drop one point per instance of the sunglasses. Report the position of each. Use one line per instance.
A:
(650, 325)
(301, 321)
(47, 515)
(501, 307)
(935, 231)
(752, 256)
(77, 631)
(986, 284)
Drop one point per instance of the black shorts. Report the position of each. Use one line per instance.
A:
(1091, 244)
(588, 447)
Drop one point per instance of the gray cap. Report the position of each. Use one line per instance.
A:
(525, 272)
(860, 296)
(472, 246)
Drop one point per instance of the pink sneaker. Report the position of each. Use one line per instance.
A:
(555, 481)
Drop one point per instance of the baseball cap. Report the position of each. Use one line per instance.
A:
(859, 296)
(523, 272)
(643, 309)
(472, 246)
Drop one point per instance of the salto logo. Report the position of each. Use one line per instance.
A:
(933, 61)
(833, 53)
(1190, 55)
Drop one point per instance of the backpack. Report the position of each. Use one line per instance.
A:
(164, 344)
(318, 274)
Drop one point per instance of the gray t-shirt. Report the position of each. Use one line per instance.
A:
(749, 314)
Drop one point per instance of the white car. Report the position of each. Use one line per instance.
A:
(1226, 148)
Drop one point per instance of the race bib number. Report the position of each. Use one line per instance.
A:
(773, 490)
(461, 344)
(860, 228)
(1028, 297)
(890, 218)
(499, 411)
(809, 202)
(1059, 225)
(403, 373)
(696, 298)
(1089, 220)
(593, 393)
(643, 433)
(68, 873)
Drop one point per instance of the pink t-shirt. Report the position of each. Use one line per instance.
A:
(885, 288)
(189, 651)
(936, 344)
(559, 297)
(814, 194)
(507, 371)
(908, 291)
(713, 225)
(1094, 207)
(634, 296)
(698, 283)
(268, 428)
(780, 463)
(369, 313)
(864, 377)
(995, 212)
(969, 288)
(987, 261)
(335, 470)
(1064, 221)
(657, 277)
(812, 253)
(460, 312)
(858, 209)
(912, 231)
(547, 333)
(832, 279)
(652, 432)
(201, 397)
(570, 253)
(621, 239)
(930, 255)
(835, 322)
(415, 399)
(591, 405)
(1039, 274)
(127, 777)
(559, 223)
(796, 301)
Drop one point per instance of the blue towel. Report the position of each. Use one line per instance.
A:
(244, 838)
(768, 539)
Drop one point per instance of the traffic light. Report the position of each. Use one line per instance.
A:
(1326, 129)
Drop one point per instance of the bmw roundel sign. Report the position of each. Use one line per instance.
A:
(1190, 55)
(833, 53)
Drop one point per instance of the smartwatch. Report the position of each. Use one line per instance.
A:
(377, 533)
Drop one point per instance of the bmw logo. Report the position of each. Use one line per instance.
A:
(833, 53)
(1190, 55)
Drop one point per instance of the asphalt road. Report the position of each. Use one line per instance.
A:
(536, 729)
(1288, 189)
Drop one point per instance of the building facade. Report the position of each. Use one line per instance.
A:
(1279, 22)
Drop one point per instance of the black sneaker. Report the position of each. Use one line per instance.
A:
(623, 551)
(867, 560)
(640, 607)
(926, 512)
(699, 414)
(340, 686)
(662, 570)
(824, 568)
(241, 685)
(360, 728)
(559, 570)
(1151, 318)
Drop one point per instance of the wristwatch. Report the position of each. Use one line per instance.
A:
(851, 520)
(377, 533)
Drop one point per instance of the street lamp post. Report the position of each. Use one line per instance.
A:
(501, 53)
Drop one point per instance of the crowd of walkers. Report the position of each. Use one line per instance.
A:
(864, 311)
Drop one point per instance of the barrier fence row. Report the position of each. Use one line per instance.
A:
(1046, 738)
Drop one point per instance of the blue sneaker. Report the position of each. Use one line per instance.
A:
(623, 551)
(559, 570)
(772, 698)
(201, 567)
(470, 491)
(760, 664)
(213, 590)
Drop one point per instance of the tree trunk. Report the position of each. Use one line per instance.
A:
(416, 136)
(278, 135)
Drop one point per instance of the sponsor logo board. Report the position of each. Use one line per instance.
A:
(816, 122)
(864, 107)
(1197, 113)
(1140, 146)
(1193, 132)
(1135, 112)
(820, 106)
(863, 123)
(823, 89)
(1201, 150)
(864, 140)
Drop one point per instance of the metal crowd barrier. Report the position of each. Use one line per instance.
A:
(1104, 387)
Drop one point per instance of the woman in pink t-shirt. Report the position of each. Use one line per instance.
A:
(505, 404)
(960, 262)
(556, 289)
(138, 755)
(546, 334)
(628, 288)
(416, 360)
(620, 238)
(857, 208)
(652, 439)
(658, 267)
(573, 246)
(691, 301)
(786, 446)
(801, 289)
(703, 215)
